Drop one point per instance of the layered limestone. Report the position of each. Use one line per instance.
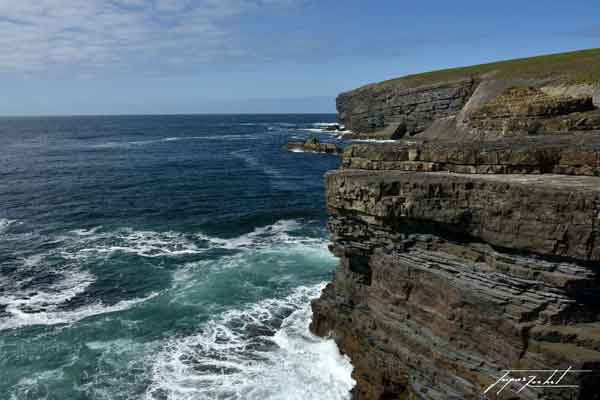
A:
(540, 95)
(530, 111)
(556, 154)
(471, 245)
(447, 279)
(369, 111)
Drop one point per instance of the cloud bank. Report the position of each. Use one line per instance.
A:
(46, 36)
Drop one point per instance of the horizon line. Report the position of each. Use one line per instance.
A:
(157, 115)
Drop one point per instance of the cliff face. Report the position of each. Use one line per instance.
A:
(371, 109)
(461, 259)
(524, 93)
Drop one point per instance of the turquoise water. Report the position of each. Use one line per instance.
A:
(163, 258)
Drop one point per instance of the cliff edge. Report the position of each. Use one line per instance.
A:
(409, 106)
(472, 250)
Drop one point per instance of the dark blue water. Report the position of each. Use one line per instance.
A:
(163, 257)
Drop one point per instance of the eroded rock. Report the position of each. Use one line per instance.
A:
(313, 145)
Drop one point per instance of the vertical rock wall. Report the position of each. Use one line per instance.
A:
(372, 108)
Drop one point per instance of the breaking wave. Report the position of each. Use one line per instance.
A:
(5, 224)
(23, 303)
(261, 351)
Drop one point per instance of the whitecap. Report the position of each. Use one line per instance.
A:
(278, 233)
(325, 124)
(20, 319)
(314, 130)
(261, 351)
(92, 243)
(5, 224)
(374, 140)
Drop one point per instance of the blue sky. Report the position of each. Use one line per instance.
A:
(185, 56)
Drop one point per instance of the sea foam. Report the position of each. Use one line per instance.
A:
(5, 224)
(261, 351)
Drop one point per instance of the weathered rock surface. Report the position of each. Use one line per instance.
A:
(373, 108)
(472, 245)
(527, 110)
(447, 279)
(313, 145)
(498, 99)
(556, 154)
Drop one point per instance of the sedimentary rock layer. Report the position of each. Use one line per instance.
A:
(556, 154)
(447, 279)
(472, 245)
(373, 108)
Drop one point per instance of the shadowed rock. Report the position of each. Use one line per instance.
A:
(474, 247)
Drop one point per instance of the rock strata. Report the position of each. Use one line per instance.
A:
(557, 154)
(373, 108)
(447, 279)
(469, 252)
(528, 110)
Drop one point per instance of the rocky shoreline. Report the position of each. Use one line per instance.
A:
(313, 145)
(472, 249)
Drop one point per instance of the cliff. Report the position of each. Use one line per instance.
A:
(412, 104)
(461, 259)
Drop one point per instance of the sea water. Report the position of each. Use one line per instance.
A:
(164, 257)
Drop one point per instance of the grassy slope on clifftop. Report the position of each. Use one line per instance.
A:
(573, 67)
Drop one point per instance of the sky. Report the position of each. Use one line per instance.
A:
(67, 57)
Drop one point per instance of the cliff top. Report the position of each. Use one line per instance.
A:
(573, 67)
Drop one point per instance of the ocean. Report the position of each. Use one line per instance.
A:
(164, 257)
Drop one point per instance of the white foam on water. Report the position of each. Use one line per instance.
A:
(314, 130)
(42, 305)
(137, 143)
(19, 319)
(5, 224)
(28, 305)
(86, 232)
(263, 351)
(92, 243)
(325, 124)
(374, 140)
(269, 236)
(35, 384)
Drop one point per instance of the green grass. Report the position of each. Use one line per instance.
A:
(574, 67)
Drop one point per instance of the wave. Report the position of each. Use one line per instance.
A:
(374, 140)
(24, 302)
(278, 233)
(325, 124)
(148, 244)
(5, 224)
(42, 305)
(314, 130)
(152, 244)
(20, 319)
(261, 351)
(138, 143)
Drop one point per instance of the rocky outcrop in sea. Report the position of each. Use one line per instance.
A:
(313, 145)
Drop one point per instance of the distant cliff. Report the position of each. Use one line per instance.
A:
(474, 246)
(410, 105)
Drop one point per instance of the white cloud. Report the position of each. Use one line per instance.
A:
(44, 36)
